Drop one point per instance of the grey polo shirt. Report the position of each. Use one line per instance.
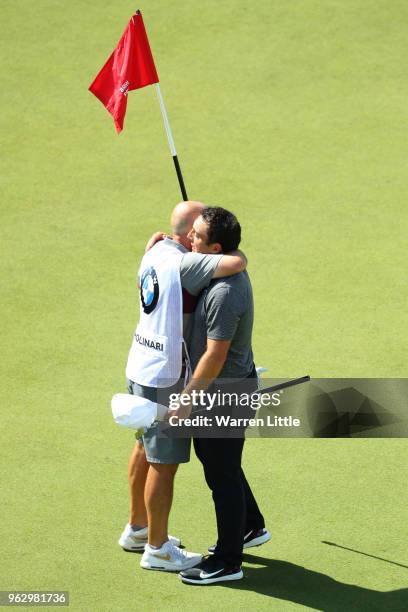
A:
(225, 311)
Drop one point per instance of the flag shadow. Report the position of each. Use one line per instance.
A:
(289, 582)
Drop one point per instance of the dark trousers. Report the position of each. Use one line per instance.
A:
(235, 506)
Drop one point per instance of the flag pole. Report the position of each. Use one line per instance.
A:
(170, 136)
(171, 143)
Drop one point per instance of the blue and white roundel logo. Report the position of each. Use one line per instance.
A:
(149, 290)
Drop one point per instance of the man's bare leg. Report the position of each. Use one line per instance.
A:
(137, 473)
(158, 499)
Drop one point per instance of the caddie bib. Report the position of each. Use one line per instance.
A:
(155, 357)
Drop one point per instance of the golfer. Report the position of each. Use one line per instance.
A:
(170, 277)
(221, 349)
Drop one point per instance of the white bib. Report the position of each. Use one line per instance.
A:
(155, 357)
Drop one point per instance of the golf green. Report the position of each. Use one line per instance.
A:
(292, 115)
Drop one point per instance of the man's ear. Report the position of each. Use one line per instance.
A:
(216, 248)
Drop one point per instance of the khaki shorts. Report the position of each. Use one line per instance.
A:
(158, 447)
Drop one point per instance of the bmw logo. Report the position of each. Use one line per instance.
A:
(149, 290)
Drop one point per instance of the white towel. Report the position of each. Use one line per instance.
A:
(136, 412)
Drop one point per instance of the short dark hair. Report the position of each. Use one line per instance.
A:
(223, 227)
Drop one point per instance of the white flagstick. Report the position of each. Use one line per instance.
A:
(171, 142)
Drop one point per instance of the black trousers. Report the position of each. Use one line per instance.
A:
(235, 506)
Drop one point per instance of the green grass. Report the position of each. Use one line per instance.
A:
(289, 113)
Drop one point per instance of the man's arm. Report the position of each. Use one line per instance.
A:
(207, 369)
(230, 264)
(198, 269)
(222, 317)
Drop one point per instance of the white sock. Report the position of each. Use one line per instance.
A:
(158, 547)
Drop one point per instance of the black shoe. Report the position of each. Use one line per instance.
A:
(209, 571)
(256, 537)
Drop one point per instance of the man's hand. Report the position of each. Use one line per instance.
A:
(183, 410)
(207, 369)
(157, 236)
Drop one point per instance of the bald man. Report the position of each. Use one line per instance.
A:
(154, 460)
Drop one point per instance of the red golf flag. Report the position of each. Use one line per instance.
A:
(130, 66)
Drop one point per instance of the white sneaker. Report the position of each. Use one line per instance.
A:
(134, 540)
(169, 558)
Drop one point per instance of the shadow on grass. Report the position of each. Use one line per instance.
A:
(360, 552)
(290, 582)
